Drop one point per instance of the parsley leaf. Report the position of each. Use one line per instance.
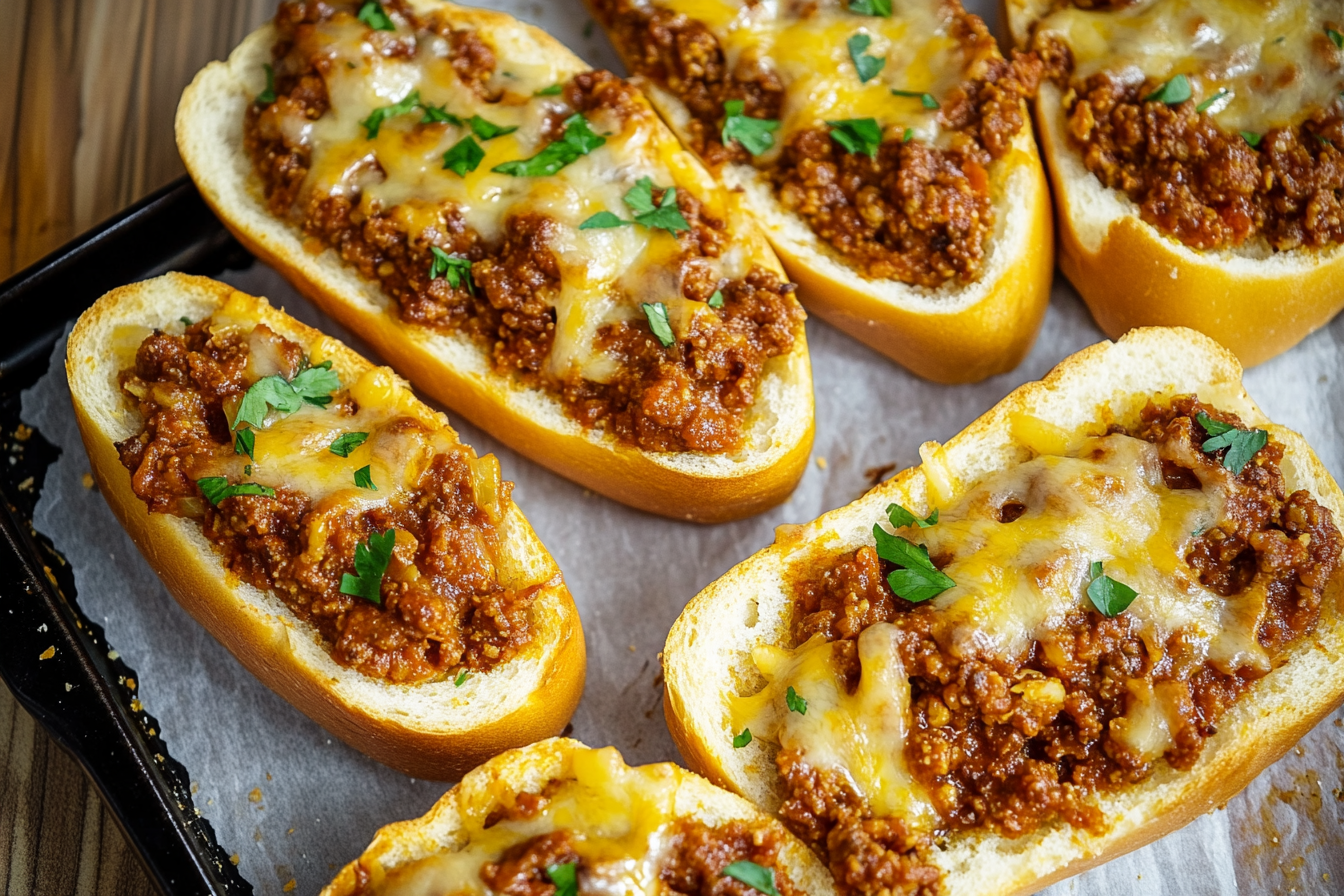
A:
(900, 517)
(1219, 94)
(370, 563)
(364, 478)
(866, 66)
(269, 391)
(796, 704)
(347, 442)
(667, 216)
(716, 300)
(756, 135)
(870, 7)
(741, 740)
(1241, 444)
(1252, 138)
(463, 157)
(578, 140)
(267, 96)
(373, 15)
(461, 677)
(565, 877)
(488, 130)
(640, 196)
(244, 442)
(760, 879)
(217, 488)
(455, 268)
(315, 384)
(857, 135)
(1335, 37)
(376, 118)
(917, 579)
(925, 99)
(907, 135)
(603, 220)
(438, 115)
(1173, 92)
(1111, 598)
(656, 312)
(553, 90)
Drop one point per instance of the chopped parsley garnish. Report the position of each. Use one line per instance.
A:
(870, 7)
(1219, 94)
(741, 740)
(901, 517)
(408, 103)
(186, 321)
(603, 220)
(463, 157)
(578, 140)
(461, 677)
(1110, 597)
(373, 15)
(1252, 138)
(916, 579)
(370, 563)
(795, 703)
(438, 115)
(364, 478)
(347, 442)
(1241, 444)
(716, 300)
(664, 216)
(455, 268)
(1173, 92)
(553, 90)
(245, 442)
(925, 99)
(217, 488)
(656, 312)
(907, 135)
(866, 66)
(313, 385)
(1335, 37)
(565, 877)
(857, 135)
(247, 469)
(267, 96)
(488, 130)
(760, 879)
(756, 135)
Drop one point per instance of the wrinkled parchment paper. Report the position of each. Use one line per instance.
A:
(293, 804)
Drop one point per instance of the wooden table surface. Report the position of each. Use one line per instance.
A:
(87, 94)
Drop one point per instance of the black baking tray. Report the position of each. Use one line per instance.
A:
(55, 660)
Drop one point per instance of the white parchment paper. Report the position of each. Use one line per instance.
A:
(293, 804)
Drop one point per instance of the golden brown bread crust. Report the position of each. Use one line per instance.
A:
(432, 730)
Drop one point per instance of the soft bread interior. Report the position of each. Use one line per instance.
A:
(708, 654)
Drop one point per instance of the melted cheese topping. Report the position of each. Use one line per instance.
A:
(605, 273)
(1273, 57)
(811, 56)
(617, 817)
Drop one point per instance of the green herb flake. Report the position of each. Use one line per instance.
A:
(267, 96)
(916, 579)
(374, 122)
(553, 90)
(925, 99)
(245, 442)
(312, 384)
(755, 135)
(857, 135)
(247, 469)
(1173, 92)
(461, 677)
(908, 135)
(438, 115)
(364, 478)
(373, 15)
(1111, 598)
(716, 300)
(1204, 106)
(870, 7)
(370, 563)
(760, 879)
(488, 130)
(742, 739)
(186, 321)
(217, 488)
(603, 220)
(347, 442)
(454, 268)
(1252, 138)
(565, 877)
(900, 517)
(578, 140)
(1335, 37)
(795, 703)
(315, 384)
(463, 157)
(866, 66)
(656, 313)
(665, 216)
(1241, 444)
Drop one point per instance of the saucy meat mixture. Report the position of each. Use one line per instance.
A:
(691, 395)
(442, 607)
(913, 211)
(988, 751)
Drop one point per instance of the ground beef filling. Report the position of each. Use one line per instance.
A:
(453, 615)
(1192, 180)
(986, 755)
(691, 396)
(914, 213)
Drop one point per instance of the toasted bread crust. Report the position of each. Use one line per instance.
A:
(432, 730)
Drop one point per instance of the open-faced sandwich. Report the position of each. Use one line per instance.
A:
(1197, 153)
(522, 237)
(325, 526)
(883, 146)
(560, 818)
(1092, 616)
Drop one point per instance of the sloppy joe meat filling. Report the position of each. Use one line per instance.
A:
(917, 209)
(441, 605)
(1008, 743)
(505, 283)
